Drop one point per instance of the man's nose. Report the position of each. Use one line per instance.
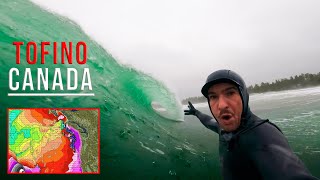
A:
(222, 103)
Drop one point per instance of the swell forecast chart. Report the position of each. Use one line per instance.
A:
(53, 141)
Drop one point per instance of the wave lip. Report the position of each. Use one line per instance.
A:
(175, 114)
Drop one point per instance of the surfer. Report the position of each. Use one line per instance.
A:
(249, 147)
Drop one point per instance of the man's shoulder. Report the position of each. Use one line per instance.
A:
(267, 128)
(262, 135)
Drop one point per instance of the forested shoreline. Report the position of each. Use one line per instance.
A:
(294, 82)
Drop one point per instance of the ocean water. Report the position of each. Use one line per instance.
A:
(137, 141)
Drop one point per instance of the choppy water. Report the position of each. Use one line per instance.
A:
(137, 142)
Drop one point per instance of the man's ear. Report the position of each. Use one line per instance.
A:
(241, 96)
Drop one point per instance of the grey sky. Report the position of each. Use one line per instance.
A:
(180, 42)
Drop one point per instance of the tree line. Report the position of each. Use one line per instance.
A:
(294, 82)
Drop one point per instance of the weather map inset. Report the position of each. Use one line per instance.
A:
(54, 141)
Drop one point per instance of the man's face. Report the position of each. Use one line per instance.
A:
(226, 105)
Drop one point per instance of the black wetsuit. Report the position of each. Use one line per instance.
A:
(257, 149)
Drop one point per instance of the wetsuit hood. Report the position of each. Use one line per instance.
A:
(228, 76)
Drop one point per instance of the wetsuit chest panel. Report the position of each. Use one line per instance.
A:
(237, 166)
(234, 161)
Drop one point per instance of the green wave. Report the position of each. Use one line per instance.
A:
(135, 107)
(113, 84)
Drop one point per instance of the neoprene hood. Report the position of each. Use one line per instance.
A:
(228, 76)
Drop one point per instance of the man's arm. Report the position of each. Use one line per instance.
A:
(274, 158)
(206, 120)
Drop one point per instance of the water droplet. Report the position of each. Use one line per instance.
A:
(172, 173)
(154, 163)
(188, 164)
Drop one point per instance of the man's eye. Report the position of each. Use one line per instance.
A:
(213, 97)
(230, 93)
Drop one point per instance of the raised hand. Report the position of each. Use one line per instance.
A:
(191, 110)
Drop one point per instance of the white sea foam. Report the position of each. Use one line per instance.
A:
(146, 147)
(161, 143)
(286, 94)
(159, 151)
(307, 114)
(151, 150)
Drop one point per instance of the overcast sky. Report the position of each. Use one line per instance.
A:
(180, 42)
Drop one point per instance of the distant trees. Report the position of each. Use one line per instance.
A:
(301, 81)
(198, 99)
(296, 82)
